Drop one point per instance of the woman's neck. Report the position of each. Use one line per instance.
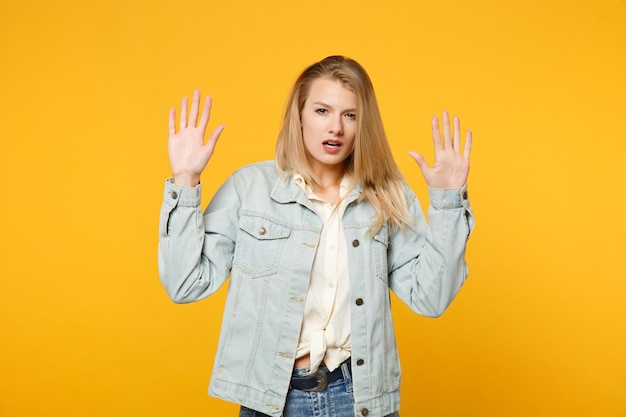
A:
(329, 176)
(328, 181)
(328, 188)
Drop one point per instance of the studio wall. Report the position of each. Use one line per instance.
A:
(85, 89)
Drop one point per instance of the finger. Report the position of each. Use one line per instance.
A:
(183, 113)
(195, 104)
(172, 121)
(468, 145)
(206, 112)
(215, 135)
(456, 140)
(447, 140)
(436, 134)
(420, 160)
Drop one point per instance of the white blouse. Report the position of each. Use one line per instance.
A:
(325, 333)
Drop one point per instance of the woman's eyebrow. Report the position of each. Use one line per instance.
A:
(321, 103)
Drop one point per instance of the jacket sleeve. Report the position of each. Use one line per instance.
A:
(195, 249)
(426, 262)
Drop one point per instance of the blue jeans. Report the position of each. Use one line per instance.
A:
(337, 400)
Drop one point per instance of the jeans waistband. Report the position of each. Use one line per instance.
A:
(318, 381)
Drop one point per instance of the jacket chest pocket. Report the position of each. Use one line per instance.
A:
(260, 245)
(380, 246)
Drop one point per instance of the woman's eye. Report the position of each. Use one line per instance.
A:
(351, 115)
(321, 111)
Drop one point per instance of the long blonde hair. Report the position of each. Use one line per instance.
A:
(371, 163)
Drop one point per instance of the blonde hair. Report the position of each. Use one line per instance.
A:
(371, 162)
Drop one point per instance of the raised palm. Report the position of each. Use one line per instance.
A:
(188, 152)
(451, 168)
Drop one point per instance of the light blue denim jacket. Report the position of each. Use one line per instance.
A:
(262, 231)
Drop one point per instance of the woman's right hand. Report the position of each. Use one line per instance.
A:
(188, 152)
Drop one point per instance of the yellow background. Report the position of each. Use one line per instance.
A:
(85, 87)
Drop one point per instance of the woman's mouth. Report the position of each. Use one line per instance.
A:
(332, 146)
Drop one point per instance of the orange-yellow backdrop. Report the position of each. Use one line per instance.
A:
(86, 329)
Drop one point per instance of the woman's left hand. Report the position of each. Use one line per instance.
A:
(451, 168)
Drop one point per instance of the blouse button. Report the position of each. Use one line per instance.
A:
(364, 412)
(359, 301)
(360, 362)
(355, 243)
(262, 231)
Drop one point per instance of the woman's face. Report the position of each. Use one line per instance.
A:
(328, 124)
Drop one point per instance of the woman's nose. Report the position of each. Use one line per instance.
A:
(336, 126)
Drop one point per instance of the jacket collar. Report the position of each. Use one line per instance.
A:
(287, 191)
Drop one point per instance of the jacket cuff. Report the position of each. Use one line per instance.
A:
(448, 198)
(175, 195)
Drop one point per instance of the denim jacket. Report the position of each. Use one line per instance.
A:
(262, 231)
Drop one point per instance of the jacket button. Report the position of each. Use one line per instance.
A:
(262, 231)
(464, 195)
(359, 301)
(360, 362)
(355, 243)
(365, 412)
(174, 195)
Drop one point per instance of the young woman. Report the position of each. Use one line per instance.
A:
(313, 242)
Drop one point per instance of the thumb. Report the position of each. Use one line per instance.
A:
(212, 141)
(420, 160)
